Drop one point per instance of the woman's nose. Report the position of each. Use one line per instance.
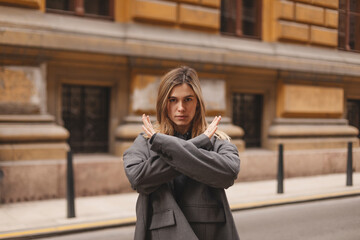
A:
(181, 107)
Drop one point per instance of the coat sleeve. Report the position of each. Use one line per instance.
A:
(218, 168)
(146, 173)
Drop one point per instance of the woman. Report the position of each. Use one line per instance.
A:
(181, 166)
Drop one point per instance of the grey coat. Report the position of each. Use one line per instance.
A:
(201, 211)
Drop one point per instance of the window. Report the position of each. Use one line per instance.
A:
(349, 25)
(353, 113)
(87, 8)
(241, 18)
(247, 113)
(85, 112)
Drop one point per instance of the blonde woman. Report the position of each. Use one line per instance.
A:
(180, 167)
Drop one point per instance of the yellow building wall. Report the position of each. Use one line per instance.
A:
(304, 101)
(36, 4)
(310, 22)
(201, 15)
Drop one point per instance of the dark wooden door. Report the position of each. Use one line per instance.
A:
(85, 112)
(247, 113)
(353, 113)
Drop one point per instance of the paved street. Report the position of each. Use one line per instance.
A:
(322, 220)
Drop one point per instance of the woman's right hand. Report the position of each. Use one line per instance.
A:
(147, 126)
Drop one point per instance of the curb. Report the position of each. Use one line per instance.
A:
(68, 229)
(293, 200)
(91, 226)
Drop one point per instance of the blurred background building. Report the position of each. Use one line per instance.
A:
(77, 74)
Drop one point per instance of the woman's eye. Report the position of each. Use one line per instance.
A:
(188, 99)
(171, 100)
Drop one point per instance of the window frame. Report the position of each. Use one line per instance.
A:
(348, 13)
(238, 22)
(79, 10)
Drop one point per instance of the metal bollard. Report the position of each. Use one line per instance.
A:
(280, 175)
(349, 170)
(1, 188)
(70, 196)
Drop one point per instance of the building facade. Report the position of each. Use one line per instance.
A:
(78, 75)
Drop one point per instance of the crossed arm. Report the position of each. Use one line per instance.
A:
(170, 156)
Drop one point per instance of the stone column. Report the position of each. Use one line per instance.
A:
(28, 135)
(143, 100)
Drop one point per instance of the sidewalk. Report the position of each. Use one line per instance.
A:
(49, 216)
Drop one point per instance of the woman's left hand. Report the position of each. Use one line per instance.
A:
(212, 127)
(147, 126)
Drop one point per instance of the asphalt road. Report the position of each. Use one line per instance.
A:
(323, 220)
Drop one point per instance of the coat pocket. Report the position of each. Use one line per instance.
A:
(162, 219)
(204, 214)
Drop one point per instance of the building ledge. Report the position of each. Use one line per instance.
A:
(31, 28)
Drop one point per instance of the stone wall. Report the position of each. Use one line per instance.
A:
(35, 4)
(313, 22)
(22, 90)
(183, 14)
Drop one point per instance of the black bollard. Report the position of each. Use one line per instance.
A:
(1, 177)
(280, 175)
(349, 170)
(70, 196)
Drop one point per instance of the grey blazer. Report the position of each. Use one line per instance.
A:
(202, 211)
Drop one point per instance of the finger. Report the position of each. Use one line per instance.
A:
(146, 122)
(212, 132)
(211, 124)
(218, 120)
(145, 130)
(150, 126)
(148, 119)
(214, 120)
(143, 119)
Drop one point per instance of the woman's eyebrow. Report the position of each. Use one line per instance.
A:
(183, 97)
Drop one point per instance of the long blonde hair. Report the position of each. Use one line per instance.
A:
(174, 78)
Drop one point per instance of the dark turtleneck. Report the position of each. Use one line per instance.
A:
(178, 183)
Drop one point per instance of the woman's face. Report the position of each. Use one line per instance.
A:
(181, 107)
